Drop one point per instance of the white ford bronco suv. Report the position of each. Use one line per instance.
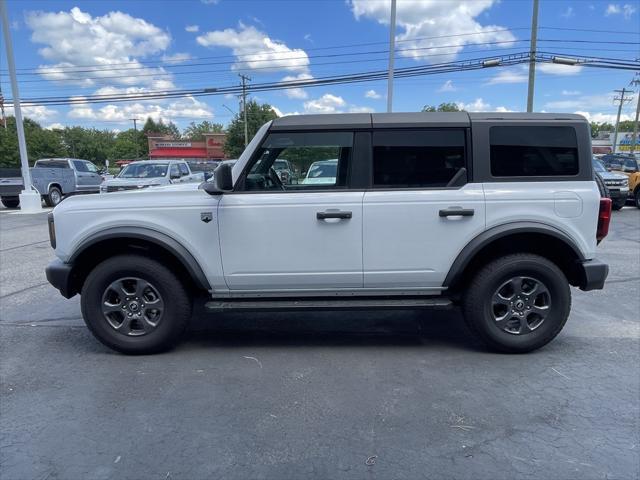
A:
(498, 213)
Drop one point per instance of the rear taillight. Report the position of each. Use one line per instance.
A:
(604, 218)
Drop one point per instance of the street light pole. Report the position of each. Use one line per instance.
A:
(30, 201)
(532, 56)
(392, 48)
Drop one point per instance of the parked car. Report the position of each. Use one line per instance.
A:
(613, 161)
(631, 168)
(616, 183)
(410, 218)
(149, 173)
(53, 178)
(322, 172)
(285, 171)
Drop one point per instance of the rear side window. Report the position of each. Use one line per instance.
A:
(183, 169)
(533, 151)
(52, 164)
(417, 158)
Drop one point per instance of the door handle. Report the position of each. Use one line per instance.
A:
(457, 212)
(329, 214)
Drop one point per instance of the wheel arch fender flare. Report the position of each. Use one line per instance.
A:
(478, 243)
(155, 237)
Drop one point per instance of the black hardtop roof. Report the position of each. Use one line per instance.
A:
(410, 119)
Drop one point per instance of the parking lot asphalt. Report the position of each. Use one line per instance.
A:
(317, 395)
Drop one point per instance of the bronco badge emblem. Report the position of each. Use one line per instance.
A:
(206, 217)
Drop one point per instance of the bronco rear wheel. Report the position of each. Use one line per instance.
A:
(517, 303)
(135, 305)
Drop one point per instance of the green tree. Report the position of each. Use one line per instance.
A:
(196, 131)
(170, 129)
(128, 146)
(41, 143)
(88, 143)
(257, 115)
(443, 107)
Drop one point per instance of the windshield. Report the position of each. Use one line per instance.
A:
(144, 170)
(280, 165)
(323, 170)
(598, 167)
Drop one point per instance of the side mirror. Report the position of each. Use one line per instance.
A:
(222, 180)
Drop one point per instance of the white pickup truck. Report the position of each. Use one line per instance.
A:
(498, 213)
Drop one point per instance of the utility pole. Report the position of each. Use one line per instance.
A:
(622, 101)
(635, 83)
(392, 51)
(135, 128)
(244, 107)
(30, 201)
(532, 55)
(4, 117)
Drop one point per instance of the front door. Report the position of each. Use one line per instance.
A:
(420, 211)
(87, 176)
(303, 235)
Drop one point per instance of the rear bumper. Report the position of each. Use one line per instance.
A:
(59, 275)
(594, 274)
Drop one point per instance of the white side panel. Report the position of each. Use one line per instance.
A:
(405, 241)
(571, 207)
(273, 241)
(174, 212)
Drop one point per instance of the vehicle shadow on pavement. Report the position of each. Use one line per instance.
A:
(410, 328)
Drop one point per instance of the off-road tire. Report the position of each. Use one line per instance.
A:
(477, 302)
(176, 299)
(53, 198)
(10, 202)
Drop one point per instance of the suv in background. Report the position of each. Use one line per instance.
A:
(617, 184)
(631, 168)
(613, 161)
(496, 212)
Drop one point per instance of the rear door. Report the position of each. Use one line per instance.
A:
(420, 211)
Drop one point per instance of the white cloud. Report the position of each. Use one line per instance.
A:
(615, 9)
(187, 107)
(600, 117)
(508, 76)
(329, 103)
(582, 103)
(192, 28)
(296, 93)
(177, 57)
(479, 105)
(568, 13)
(421, 20)
(372, 94)
(39, 113)
(114, 40)
(558, 69)
(54, 126)
(447, 87)
(210, 2)
(570, 92)
(254, 49)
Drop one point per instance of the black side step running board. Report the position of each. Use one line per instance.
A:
(257, 305)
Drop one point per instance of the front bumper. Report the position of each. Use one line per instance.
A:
(60, 275)
(618, 193)
(594, 274)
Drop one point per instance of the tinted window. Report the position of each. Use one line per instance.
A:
(417, 158)
(183, 169)
(301, 161)
(533, 151)
(52, 164)
(80, 166)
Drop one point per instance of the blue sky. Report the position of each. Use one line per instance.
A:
(160, 45)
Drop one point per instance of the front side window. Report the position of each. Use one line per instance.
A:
(80, 166)
(418, 158)
(183, 169)
(533, 151)
(301, 161)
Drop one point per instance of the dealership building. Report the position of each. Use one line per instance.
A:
(163, 147)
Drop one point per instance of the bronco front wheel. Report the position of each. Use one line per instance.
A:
(517, 303)
(135, 305)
